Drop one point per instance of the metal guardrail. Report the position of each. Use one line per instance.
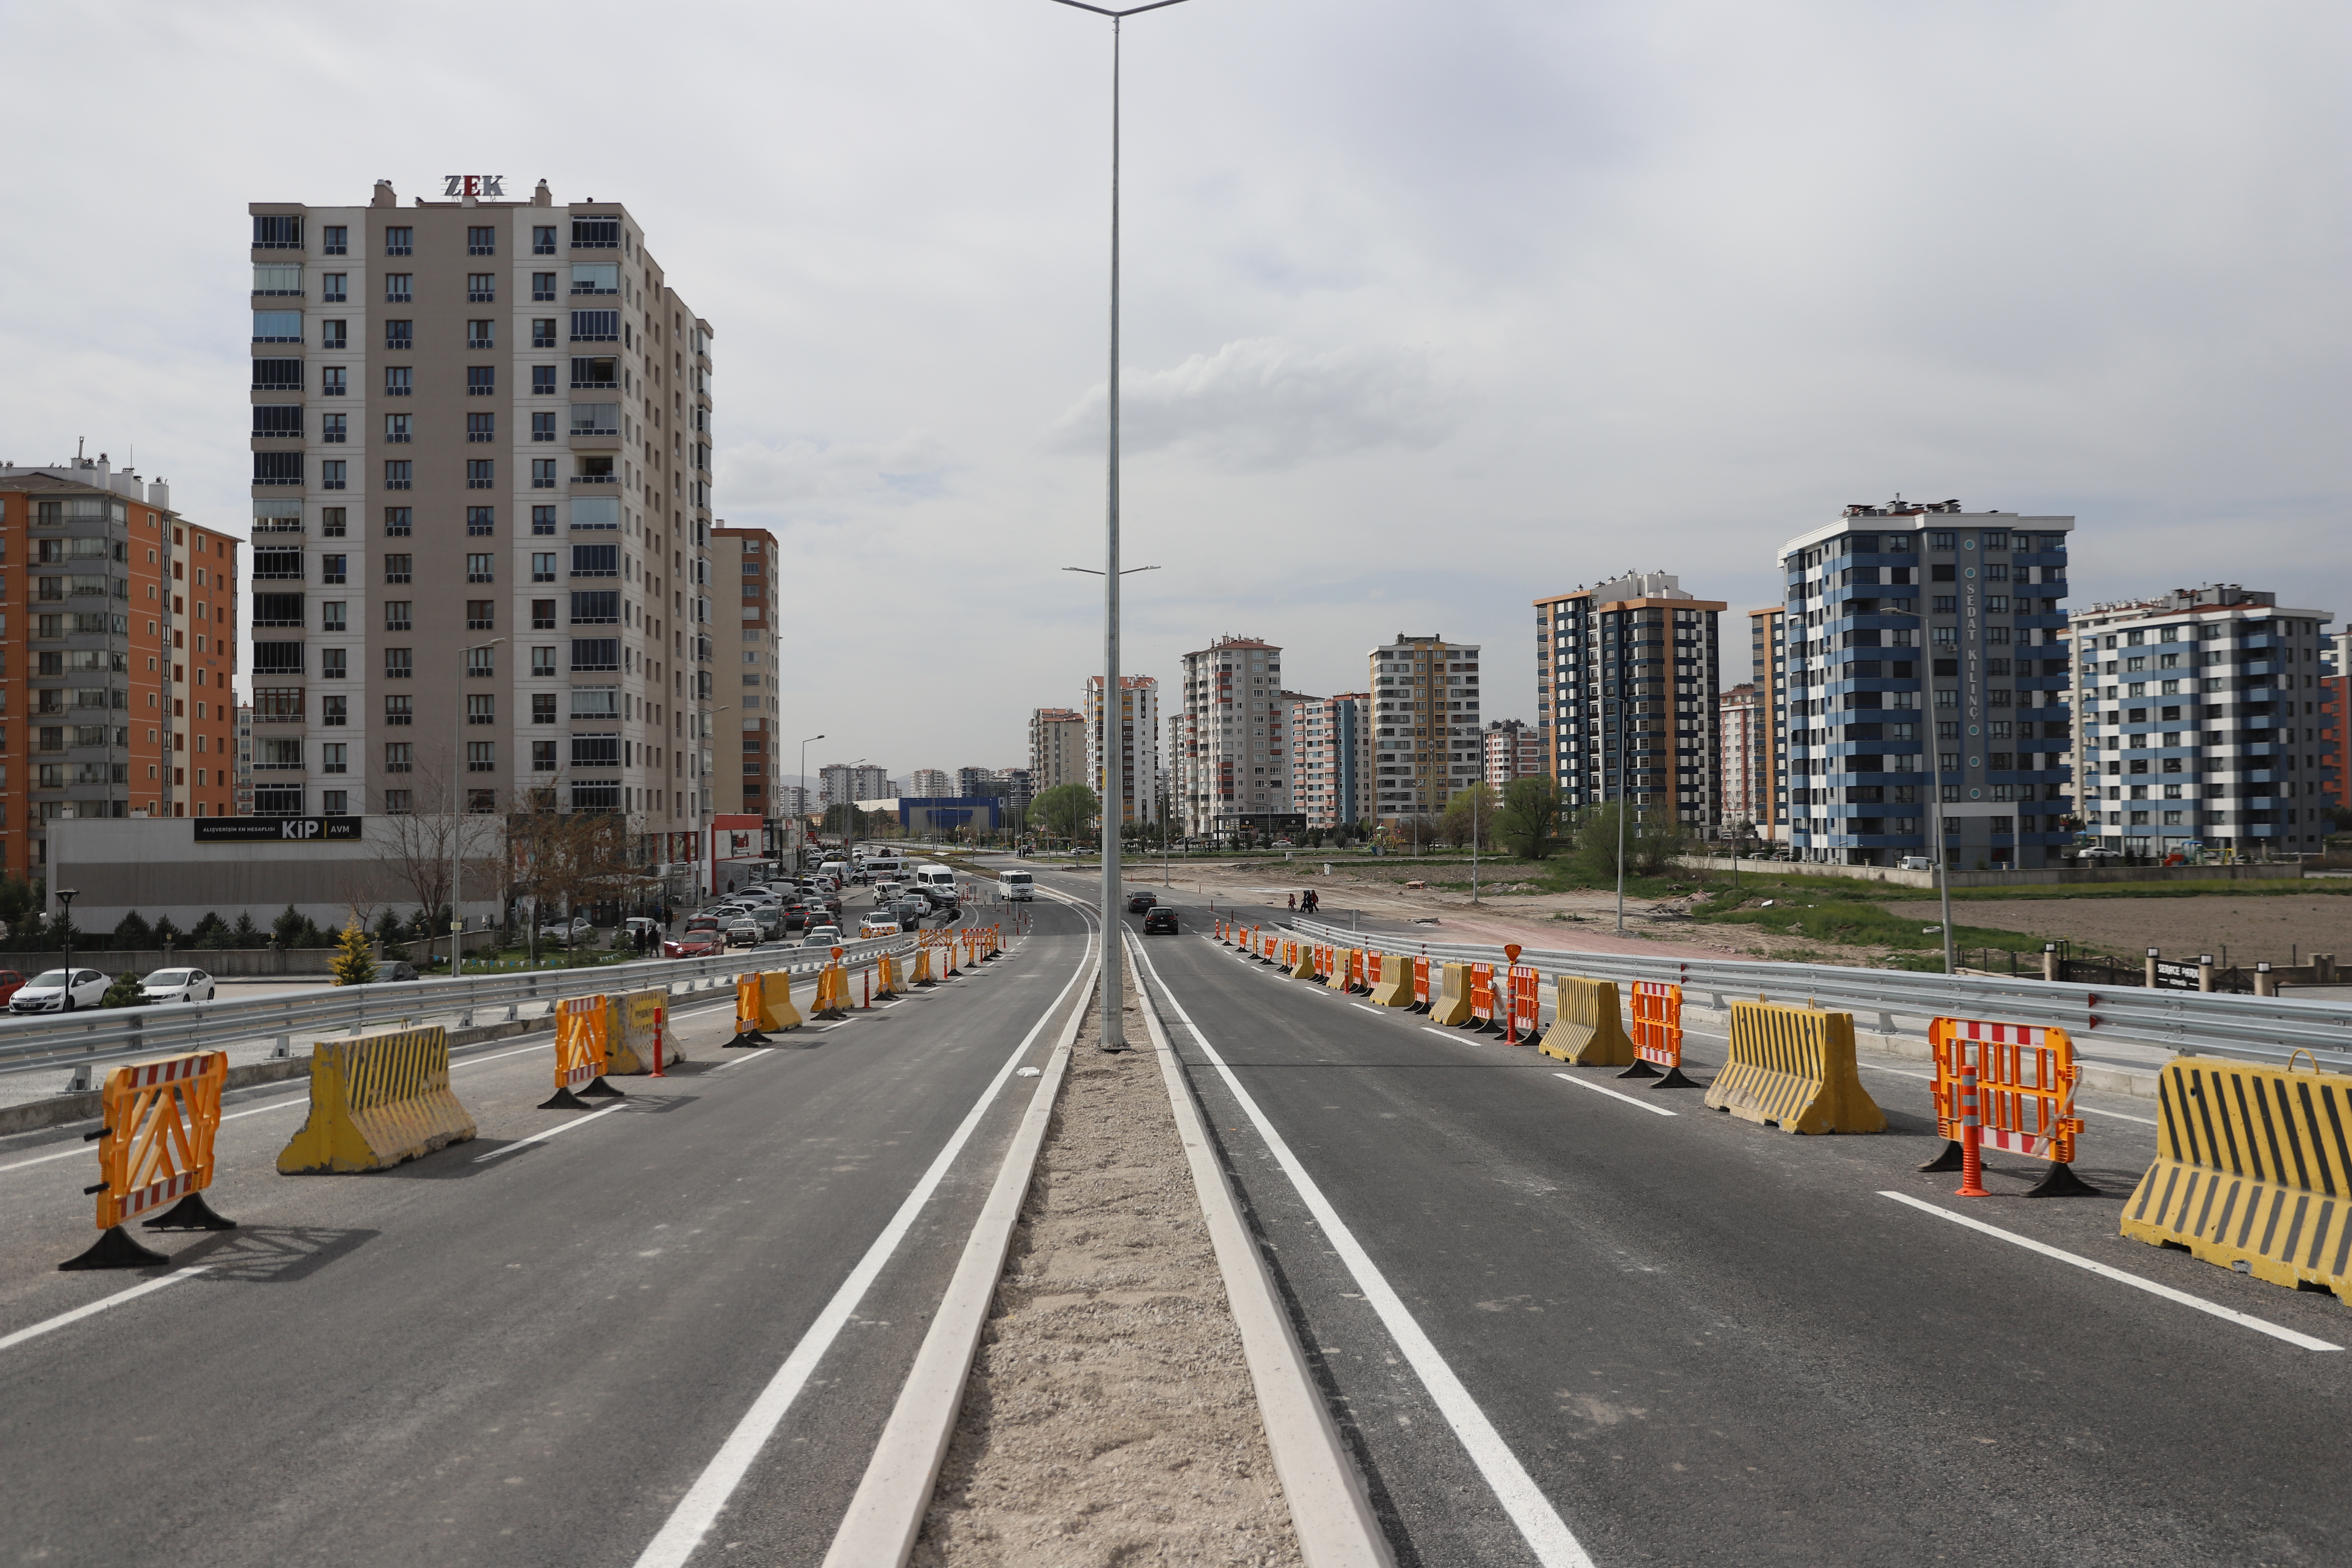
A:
(2256, 1028)
(92, 1037)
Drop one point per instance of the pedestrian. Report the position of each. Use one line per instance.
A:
(1293, 900)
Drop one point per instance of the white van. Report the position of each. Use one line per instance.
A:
(1013, 885)
(936, 880)
(881, 863)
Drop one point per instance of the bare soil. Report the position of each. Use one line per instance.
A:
(2270, 927)
(1109, 1417)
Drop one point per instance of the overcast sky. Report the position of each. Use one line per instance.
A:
(1430, 309)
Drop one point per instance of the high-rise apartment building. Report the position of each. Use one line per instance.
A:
(2202, 724)
(1743, 725)
(1768, 654)
(1017, 787)
(977, 784)
(1985, 665)
(244, 759)
(481, 435)
(1514, 749)
(1425, 741)
(1057, 747)
(930, 783)
(1227, 756)
(2334, 731)
(845, 783)
(117, 680)
(1331, 766)
(747, 556)
(1137, 732)
(1633, 665)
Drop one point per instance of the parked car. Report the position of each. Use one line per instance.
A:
(560, 931)
(11, 982)
(395, 969)
(704, 943)
(48, 992)
(823, 936)
(1141, 902)
(1915, 863)
(177, 985)
(796, 916)
(1160, 918)
(877, 924)
(708, 923)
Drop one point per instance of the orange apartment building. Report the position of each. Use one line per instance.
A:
(118, 656)
(748, 556)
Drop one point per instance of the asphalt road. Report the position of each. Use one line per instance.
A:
(510, 1352)
(1558, 1327)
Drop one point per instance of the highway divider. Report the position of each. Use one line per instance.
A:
(1394, 988)
(1452, 1007)
(1588, 1028)
(376, 1101)
(2252, 1172)
(582, 1050)
(154, 1147)
(2024, 1076)
(1794, 1068)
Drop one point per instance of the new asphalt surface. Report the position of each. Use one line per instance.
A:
(516, 1352)
(1558, 1327)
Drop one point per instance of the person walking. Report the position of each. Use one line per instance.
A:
(1293, 901)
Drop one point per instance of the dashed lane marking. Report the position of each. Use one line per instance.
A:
(1637, 1104)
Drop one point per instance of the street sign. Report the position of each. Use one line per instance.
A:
(273, 829)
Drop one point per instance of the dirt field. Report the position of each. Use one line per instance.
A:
(1109, 1418)
(2250, 929)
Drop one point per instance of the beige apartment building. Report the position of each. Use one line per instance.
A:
(1626, 678)
(1426, 729)
(1057, 747)
(1331, 762)
(1228, 763)
(747, 556)
(485, 427)
(1768, 657)
(1137, 732)
(1744, 724)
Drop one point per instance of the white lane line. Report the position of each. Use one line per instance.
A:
(701, 1508)
(1930, 1077)
(750, 1053)
(100, 1305)
(551, 1132)
(2242, 1319)
(1639, 1104)
(1546, 1534)
(1370, 1008)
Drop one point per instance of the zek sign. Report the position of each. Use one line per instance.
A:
(473, 184)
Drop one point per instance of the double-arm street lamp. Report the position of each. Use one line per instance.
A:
(1113, 1037)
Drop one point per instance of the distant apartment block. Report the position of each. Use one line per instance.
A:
(1768, 650)
(2204, 723)
(1426, 725)
(1985, 665)
(1331, 768)
(1632, 667)
(1134, 730)
(1057, 747)
(930, 783)
(845, 783)
(1513, 750)
(1227, 756)
(2334, 731)
(1743, 725)
(747, 557)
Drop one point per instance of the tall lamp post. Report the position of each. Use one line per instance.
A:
(1113, 1037)
(457, 810)
(799, 818)
(66, 895)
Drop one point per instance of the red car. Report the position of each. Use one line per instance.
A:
(10, 984)
(695, 944)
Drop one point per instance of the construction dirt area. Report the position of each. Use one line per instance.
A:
(2278, 928)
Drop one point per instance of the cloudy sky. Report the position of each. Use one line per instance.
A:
(1430, 309)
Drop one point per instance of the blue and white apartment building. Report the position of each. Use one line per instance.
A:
(1926, 674)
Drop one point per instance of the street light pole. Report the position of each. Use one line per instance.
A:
(1113, 1037)
(456, 812)
(799, 818)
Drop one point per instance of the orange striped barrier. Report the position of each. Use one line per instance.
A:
(583, 1048)
(1656, 1027)
(2024, 1080)
(1420, 999)
(1523, 990)
(155, 1147)
(1482, 999)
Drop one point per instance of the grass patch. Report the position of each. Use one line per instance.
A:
(2264, 889)
(1833, 914)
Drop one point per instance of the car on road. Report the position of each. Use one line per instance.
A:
(1160, 918)
(396, 969)
(796, 916)
(910, 910)
(706, 943)
(1141, 902)
(1015, 886)
(48, 992)
(11, 982)
(177, 985)
(823, 936)
(743, 931)
(877, 924)
(1914, 863)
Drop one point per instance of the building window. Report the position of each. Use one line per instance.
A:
(481, 520)
(396, 521)
(595, 653)
(399, 663)
(334, 757)
(481, 757)
(396, 711)
(277, 326)
(478, 569)
(596, 233)
(281, 376)
(335, 802)
(543, 287)
(542, 518)
(481, 615)
(481, 473)
(481, 426)
(596, 608)
(543, 611)
(334, 568)
(334, 428)
(334, 710)
(278, 231)
(399, 568)
(397, 802)
(399, 241)
(542, 752)
(334, 335)
(599, 372)
(481, 708)
(337, 239)
(587, 326)
(542, 380)
(543, 239)
(596, 561)
(590, 470)
(399, 756)
(481, 380)
(397, 428)
(331, 380)
(481, 336)
(543, 333)
(542, 704)
(332, 665)
(277, 467)
(542, 469)
(398, 380)
(542, 426)
(543, 570)
(542, 662)
(398, 287)
(397, 615)
(334, 474)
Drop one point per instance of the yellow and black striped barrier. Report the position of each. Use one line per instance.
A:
(1588, 1025)
(2252, 1171)
(377, 1101)
(1794, 1066)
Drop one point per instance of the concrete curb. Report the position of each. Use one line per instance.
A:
(1328, 1506)
(887, 1514)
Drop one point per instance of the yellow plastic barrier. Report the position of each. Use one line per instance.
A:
(376, 1101)
(2250, 1170)
(776, 1009)
(747, 1012)
(832, 999)
(1302, 961)
(155, 1147)
(636, 1018)
(886, 978)
(922, 971)
(1452, 1007)
(1343, 964)
(1588, 1026)
(1794, 1066)
(1394, 988)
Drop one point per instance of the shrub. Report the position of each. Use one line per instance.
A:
(124, 992)
(353, 964)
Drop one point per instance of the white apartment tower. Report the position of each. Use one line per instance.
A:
(1227, 744)
(1137, 732)
(487, 424)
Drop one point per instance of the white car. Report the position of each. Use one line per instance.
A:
(47, 992)
(877, 924)
(556, 931)
(743, 933)
(177, 985)
(818, 936)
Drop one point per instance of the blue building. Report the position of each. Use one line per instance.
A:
(938, 816)
(1928, 678)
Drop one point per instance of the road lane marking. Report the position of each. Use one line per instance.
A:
(551, 1132)
(1546, 1534)
(700, 1509)
(1930, 1077)
(1370, 1008)
(2243, 1320)
(100, 1305)
(1639, 1104)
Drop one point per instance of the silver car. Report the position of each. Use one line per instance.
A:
(177, 985)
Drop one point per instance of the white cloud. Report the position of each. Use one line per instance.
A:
(1262, 403)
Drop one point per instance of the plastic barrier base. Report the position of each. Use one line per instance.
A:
(191, 1212)
(114, 1250)
(562, 1099)
(598, 1088)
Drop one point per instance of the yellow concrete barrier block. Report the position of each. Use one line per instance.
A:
(633, 1018)
(1342, 961)
(1794, 1066)
(2250, 1170)
(377, 1101)
(1452, 1007)
(1302, 961)
(1394, 988)
(1588, 1025)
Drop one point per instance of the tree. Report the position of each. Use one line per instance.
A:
(244, 933)
(124, 992)
(563, 860)
(353, 963)
(1652, 838)
(1469, 811)
(847, 820)
(288, 928)
(166, 932)
(132, 933)
(1529, 816)
(1064, 810)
